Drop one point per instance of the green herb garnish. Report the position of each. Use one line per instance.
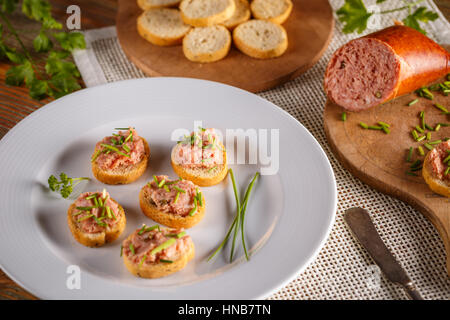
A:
(163, 246)
(413, 102)
(132, 248)
(165, 261)
(65, 185)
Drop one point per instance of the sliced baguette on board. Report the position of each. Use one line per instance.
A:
(276, 11)
(95, 239)
(207, 44)
(260, 39)
(162, 27)
(159, 269)
(151, 4)
(241, 14)
(203, 13)
(437, 185)
(169, 219)
(122, 175)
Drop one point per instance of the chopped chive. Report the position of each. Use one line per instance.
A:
(344, 116)
(96, 154)
(421, 138)
(179, 189)
(77, 213)
(416, 169)
(141, 231)
(165, 261)
(413, 102)
(142, 260)
(419, 129)
(176, 197)
(129, 137)
(428, 146)
(108, 211)
(435, 142)
(163, 246)
(420, 150)
(176, 235)
(440, 107)
(416, 163)
(427, 126)
(238, 213)
(429, 136)
(363, 125)
(427, 94)
(415, 135)
(85, 217)
(447, 171)
(411, 174)
(211, 169)
(375, 127)
(166, 188)
(447, 159)
(384, 124)
(100, 201)
(161, 183)
(126, 148)
(85, 208)
(112, 148)
(434, 87)
(409, 156)
(121, 250)
(122, 128)
(194, 209)
(444, 124)
(438, 126)
(132, 248)
(199, 198)
(156, 180)
(386, 130)
(92, 196)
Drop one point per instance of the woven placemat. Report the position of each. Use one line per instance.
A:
(343, 270)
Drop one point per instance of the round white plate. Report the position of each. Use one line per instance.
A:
(289, 216)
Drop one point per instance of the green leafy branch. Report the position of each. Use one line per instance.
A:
(61, 76)
(354, 15)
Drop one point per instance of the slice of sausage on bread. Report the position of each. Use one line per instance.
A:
(203, 13)
(260, 39)
(162, 26)
(156, 268)
(150, 4)
(207, 44)
(436, 181)
(276, 11)
(97, 239)
(193, 214)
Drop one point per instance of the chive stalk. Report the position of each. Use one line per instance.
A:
(409, 156)
(420, 150)
(413, 102)
(163, 246)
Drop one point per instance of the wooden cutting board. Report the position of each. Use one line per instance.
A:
(309, 30)
(379, 159)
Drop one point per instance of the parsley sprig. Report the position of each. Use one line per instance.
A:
(60, 76)
(354, 15)
(65, 185)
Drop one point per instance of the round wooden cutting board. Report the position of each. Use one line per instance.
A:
(309, 30)
(379, 159)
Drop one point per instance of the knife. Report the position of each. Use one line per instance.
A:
(364, 231)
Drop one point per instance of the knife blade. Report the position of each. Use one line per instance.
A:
(365, 232)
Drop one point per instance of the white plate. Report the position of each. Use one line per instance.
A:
(289, 216)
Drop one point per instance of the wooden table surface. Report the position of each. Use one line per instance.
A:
(15, 104)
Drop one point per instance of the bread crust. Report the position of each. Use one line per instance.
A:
(144, 5)
(210, 20)
(155, 39)
(257, 53)
(132, 174)
(280, 19)
(95, 240)
(245, 17)
(207, 57)
(168, 219)
(435, 184)
(159, 269)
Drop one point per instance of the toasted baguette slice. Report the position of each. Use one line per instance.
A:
(162, 27)
(437, 185)
(151, 4)
(159, 269)
(241, 14)
(203, 13)
(122, 175)
(95, 239)
(276, 11)
(207, 44)
(260, 39)
(202, 177)
(168, 219)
